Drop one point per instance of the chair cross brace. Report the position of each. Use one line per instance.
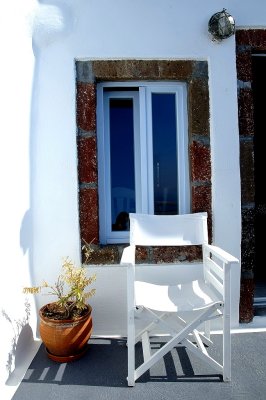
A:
(180, 337)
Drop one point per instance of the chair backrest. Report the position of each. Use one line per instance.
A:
(168, 230)
(123, 200)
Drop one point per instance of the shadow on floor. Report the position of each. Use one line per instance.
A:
(105, 364)
(101, 374)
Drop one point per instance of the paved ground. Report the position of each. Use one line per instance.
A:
(101, 374)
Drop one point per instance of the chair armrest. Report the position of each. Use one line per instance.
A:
(220, 253)
(128, 256)
(217, 269)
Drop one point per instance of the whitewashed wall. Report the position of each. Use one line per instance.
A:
(38, 160)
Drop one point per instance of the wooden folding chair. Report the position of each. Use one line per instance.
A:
(192, 292)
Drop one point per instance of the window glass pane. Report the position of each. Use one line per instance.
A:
(164, 153)
(122, 162)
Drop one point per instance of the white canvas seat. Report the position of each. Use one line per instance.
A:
(175, 298)
(180, 298)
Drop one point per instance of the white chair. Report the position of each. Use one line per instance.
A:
(123, 200)
(193, 292)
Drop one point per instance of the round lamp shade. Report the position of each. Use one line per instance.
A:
(221, 25)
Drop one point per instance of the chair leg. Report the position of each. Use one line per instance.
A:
(226, 348)
(227, 329)
(131, 350)
(130, 328)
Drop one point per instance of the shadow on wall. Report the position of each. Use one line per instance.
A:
(20, 341)
(50, 20)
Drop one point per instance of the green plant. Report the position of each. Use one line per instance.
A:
(70, 289)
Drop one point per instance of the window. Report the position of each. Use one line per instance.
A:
(142, 153)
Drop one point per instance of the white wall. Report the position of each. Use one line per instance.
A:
(39, 210)
(16, 78)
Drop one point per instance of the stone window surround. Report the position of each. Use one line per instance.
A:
(248, 41)
(88, 74)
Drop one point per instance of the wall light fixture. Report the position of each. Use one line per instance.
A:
(221, 25)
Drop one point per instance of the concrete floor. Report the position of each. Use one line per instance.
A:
(101, 373)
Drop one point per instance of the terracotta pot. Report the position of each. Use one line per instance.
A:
(65, 340)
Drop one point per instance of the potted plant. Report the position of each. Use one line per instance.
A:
(66, 324)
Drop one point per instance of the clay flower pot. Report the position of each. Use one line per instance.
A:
(66, 340)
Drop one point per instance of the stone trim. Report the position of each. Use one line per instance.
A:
(247, 42)
(88, 74)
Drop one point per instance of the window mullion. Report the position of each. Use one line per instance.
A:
(182, 149)
(103, 148)
(149, 152)
(142, 187)
(107, 162)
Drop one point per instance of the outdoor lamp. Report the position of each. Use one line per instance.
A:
(221, 25)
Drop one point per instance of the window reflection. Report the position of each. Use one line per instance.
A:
(164, 153)
(122, 162)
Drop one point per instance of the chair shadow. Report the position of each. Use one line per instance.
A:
(176, 366)
(105, 364)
